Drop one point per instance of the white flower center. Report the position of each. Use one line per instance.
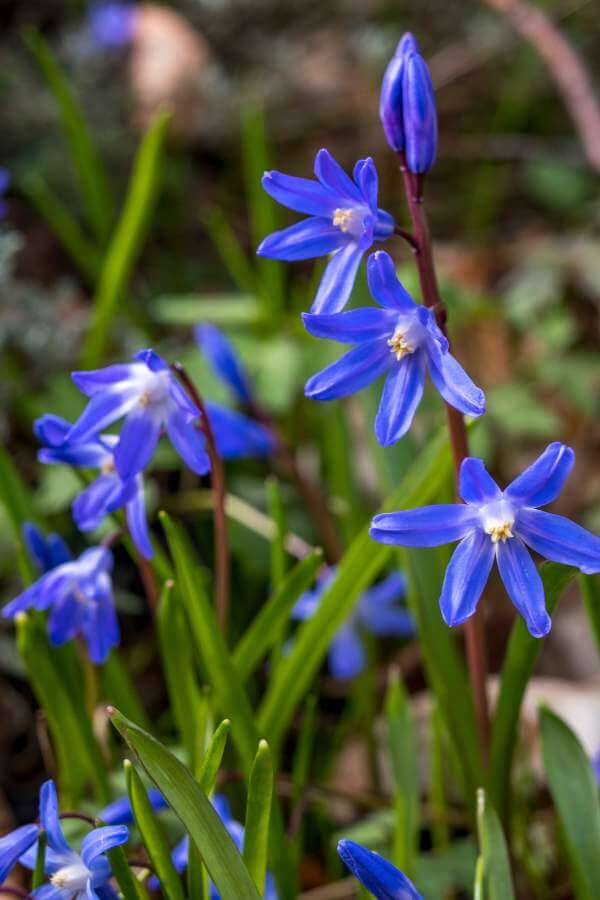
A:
(154, 389)
(108, 466)
(399, 344)
(351, 220)
(498, 519)
(72, 878)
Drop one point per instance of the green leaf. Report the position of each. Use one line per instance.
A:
(195, 811)
(128, 883)
(90, 172)
(575, 794)
(519, 662)
(119, 689)
(230, 250)
(277, 513)
(213, 757)
(258, 813)
(14, 495)
(497, 877)
(37, 879)
(153, 835)
(264, 629)
(590, 591)
(128, 237)
(225, 310)
(359, 567)
(405, 773)
(478, 893)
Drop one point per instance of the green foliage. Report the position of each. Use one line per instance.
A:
(258, 812)
(497, 878)
(403, 753)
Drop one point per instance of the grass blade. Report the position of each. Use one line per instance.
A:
(258, 813)
(131, 888)
(403, 754)
(497, 878)
(230, 250)
(213, 757)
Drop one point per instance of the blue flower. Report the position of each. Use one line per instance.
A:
(79, 596)
(46, 551)
(14, 845)
(376, 611)
(74, 876)
(379, 876)
(224, 360)
(112, 24)
(343, 219)
(119, 812)
(4, 184)
(496, 525)
(108, 492)
(391, 110)
(401, 339)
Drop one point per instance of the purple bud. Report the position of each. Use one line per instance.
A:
(419, 115)
(390, 101)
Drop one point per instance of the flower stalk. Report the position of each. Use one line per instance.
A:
(475, 644)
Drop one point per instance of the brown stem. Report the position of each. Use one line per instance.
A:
(407, 236)
(149, 581)
(310, 493)
(474, 632)
(81, 817)
(13, 891)
(218, 484)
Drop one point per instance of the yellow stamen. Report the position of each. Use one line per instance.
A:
(145, 399)
(399, 345)
(108, 467)
(500, 532)
(342, 219)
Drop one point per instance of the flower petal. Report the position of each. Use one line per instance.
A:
(384, 285)
(427, 526)
(338, 279)
(542, 481)
(453, 383)
(379, 876)
(300, 194)
(99, 840)
(103, 409)
(49, 818)
(466, 576)
(50, 429)
(98, 380)
(307, 239)
(401, 396)
(524, 585)
(476, 485)
(13, 845)
(119, 812)
(332, 176)
(557, 538)
(365, 175)
(137, 522)
(91, 505)
(353, 327)
(356, 369)
(137, 441)
(63, 622)
(188, 440)
(346, 653)
(223, 360)
(237, 436)
(100, 625)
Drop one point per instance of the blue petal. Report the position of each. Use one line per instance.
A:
(300, 194)
(378, 610)
(332, 176)
(338, 278)
(384, 225)
(49, 892)
(63, 622)
(353, 327)
(354, 371)
(346, 654)
(37, 546)
(91, 505)
(453, 383)
(384, 285)
(419, 115)
(119, 812)
(90, 454)
(103, 409)
(390, 99)
(137, 522)
(222, 808)
(58, 549)
(559, 539)
(180, 854)
(543, 480)
(524, 585)
(98, 380)
(379, 876)
(50, 429)
(428, 526)
(137, 441)
(224, 360)
(49, 818)
(466, 576)
(100, 625)
(476, 485)
(365, 176)
(237, 436)
(188, 441)
(100, 840)
(305, 240)
(401, 396)
(13, 845)
(152, 360)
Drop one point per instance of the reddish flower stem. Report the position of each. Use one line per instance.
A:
(222, 573)
(474, 632)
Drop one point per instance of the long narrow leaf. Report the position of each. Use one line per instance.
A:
(497, 877)
(258, 814)
(213, 757)
(403, 754)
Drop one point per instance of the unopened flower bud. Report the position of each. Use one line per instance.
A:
(391, 99)
(419, 115)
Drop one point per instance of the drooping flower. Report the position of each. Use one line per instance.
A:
(112, 24)
(379, 876)
(74, 876)
(150, 397)
(78, 594)
(14, 845)
(108, 492)
(224, 360)
(376, 611)
(343, 219)
(401, 339)
(47, 551)
(496, 525)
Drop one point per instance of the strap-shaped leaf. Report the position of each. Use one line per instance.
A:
(497, 878)
(258, 814)
(403, 755)
(195, 811)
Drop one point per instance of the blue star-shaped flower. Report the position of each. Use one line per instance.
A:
(496, 525)
(73, 876)
(376, 610)
(78, 594)
(379, 876)
(343, 219)
(401, 339)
